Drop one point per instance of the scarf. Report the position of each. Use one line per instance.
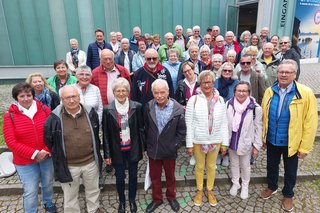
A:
(207, 62)
(224, 86)
(159, 67)
(239, 109)
(215, 50)
(29, 112)
(100, 45)
(123, 122)
(122, 109)
(74, 54)
(44, 97)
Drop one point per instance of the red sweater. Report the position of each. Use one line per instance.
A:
(100, 79)
(23, 135)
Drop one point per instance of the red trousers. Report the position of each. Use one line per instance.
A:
(155, 175)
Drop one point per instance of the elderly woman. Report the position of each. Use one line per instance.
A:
(173, 65)
(188, 86)
(75, 58)
(89, 93)
(43, 91)
(24, 135)
(123, 140)
(205, 56)
(207, 133)
(62, 76)
(255, 41)
(186, 53)
(231, 56)
(156, 42)
(275, 41)
(245, 135)
(138, 59)
(244, 39)
(114, 42)
(217, 60)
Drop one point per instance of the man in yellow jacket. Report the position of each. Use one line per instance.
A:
(290, 110)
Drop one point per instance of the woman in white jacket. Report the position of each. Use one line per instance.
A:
(75, 58)
(207, 133)
(245, 135)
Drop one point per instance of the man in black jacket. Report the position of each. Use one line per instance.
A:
(165, 131)
(72, 134)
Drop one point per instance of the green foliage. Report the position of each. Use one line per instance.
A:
(1, 133)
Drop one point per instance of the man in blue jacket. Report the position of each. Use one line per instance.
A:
(94, 49)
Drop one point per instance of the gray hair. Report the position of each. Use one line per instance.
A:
(73, 40)
(204, 48)
(196, 28)
(193, 46)
(234, 74)
(292, 62)
(83, 68)
(136, 28)
(229, 32)
(231, 52)
(113, 34)
(61, 90)
(204, 74)
(124, 39)
(173, 51)
(169, 34)
(286, 38)
(121, 82)
(216, 27)
(179, 26)
(245, 33)
(251, 48)
(160, 82)
(217, 57)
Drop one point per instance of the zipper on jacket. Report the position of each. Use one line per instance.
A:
(155, 154)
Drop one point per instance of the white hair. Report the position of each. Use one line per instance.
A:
(229, 32)
(61, 90)
(113, 34)
(204, 48)
(231, 52)
(216, 27)
(124, 39)
(120, 82)
(217, 57)
(73, 40)
(136, 29)
(196, 28)
(169, 34)
(160, 82)
(178, 26)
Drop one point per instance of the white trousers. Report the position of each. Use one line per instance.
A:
(90, 179)
(240, 167)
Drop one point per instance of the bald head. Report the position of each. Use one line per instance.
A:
(107, 59)
(70, 99)
(151, 57)
(267, 49)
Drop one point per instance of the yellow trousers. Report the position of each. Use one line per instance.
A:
(208, 160)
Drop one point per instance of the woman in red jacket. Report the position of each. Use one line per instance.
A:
(23, 133)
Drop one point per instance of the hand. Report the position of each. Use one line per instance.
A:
(42, 155)
(258, 69)
(255, 152)
(223, 151)
(108, 161)
(264, 146)
(190, 151)
(302, 155)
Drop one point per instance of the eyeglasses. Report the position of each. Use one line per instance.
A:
(71, 97)
(186, 71)
(284, 42)
(285, 73)
(242, 91)
(120, 91)
(245, 63)
(220, 41)
(230, 71)
(152, 58)
(84, 74)
(207, 82)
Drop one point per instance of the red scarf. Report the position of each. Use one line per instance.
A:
(154, 73)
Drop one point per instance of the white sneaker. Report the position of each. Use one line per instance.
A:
(234, 190)
(244, 193)
(225, 161)
(218, 161)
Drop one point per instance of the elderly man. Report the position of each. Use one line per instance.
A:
(214, 33)
(286, 52)
(196, 36)
(119, 36)
(264, 35)
(103, 75)
(231, 44)
(218, 48)
(72, 133)
(163, 50)
(165, 131)
(290, 110)
(125, 56)
(95, 48)
(180, 39)
(143, 78)
(134, 39)
(207, 40)
(256, 80)
(270, 63)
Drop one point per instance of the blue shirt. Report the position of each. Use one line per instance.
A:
(163, 115)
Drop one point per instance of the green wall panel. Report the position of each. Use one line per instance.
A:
(124, 20)
(72, 19)
(16, 33)
(156, 18)
(85, 23)
(5, 50)
(98, 13)
(167, 16)
(177, 13)
(187, 14)
(45, 31)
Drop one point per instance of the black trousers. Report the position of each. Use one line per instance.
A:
(120, 177)
(290, 169)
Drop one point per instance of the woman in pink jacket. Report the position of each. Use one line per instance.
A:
(245, 131)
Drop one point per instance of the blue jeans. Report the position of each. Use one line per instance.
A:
(30, 176)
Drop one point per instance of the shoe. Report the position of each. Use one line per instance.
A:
(244, 193)
(175, 206)
(109, 169)
(287, 204)
(99, 211)
(234, 189)
(225, 161)
(133, 207)
(122, 208)
(266, 193)
(218, 161)
(50, 207)
(212, 199)
(152, 206)
(252, 160)
(198, 198)
(101, 182)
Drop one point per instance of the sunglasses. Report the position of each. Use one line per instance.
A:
(230, 71)
(284, 42)
(152, 58)
(245, 62)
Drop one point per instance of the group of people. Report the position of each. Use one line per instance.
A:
(214, 102)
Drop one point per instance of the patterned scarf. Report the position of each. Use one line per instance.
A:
(44, 97)
(74, 54)
(224, 86)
